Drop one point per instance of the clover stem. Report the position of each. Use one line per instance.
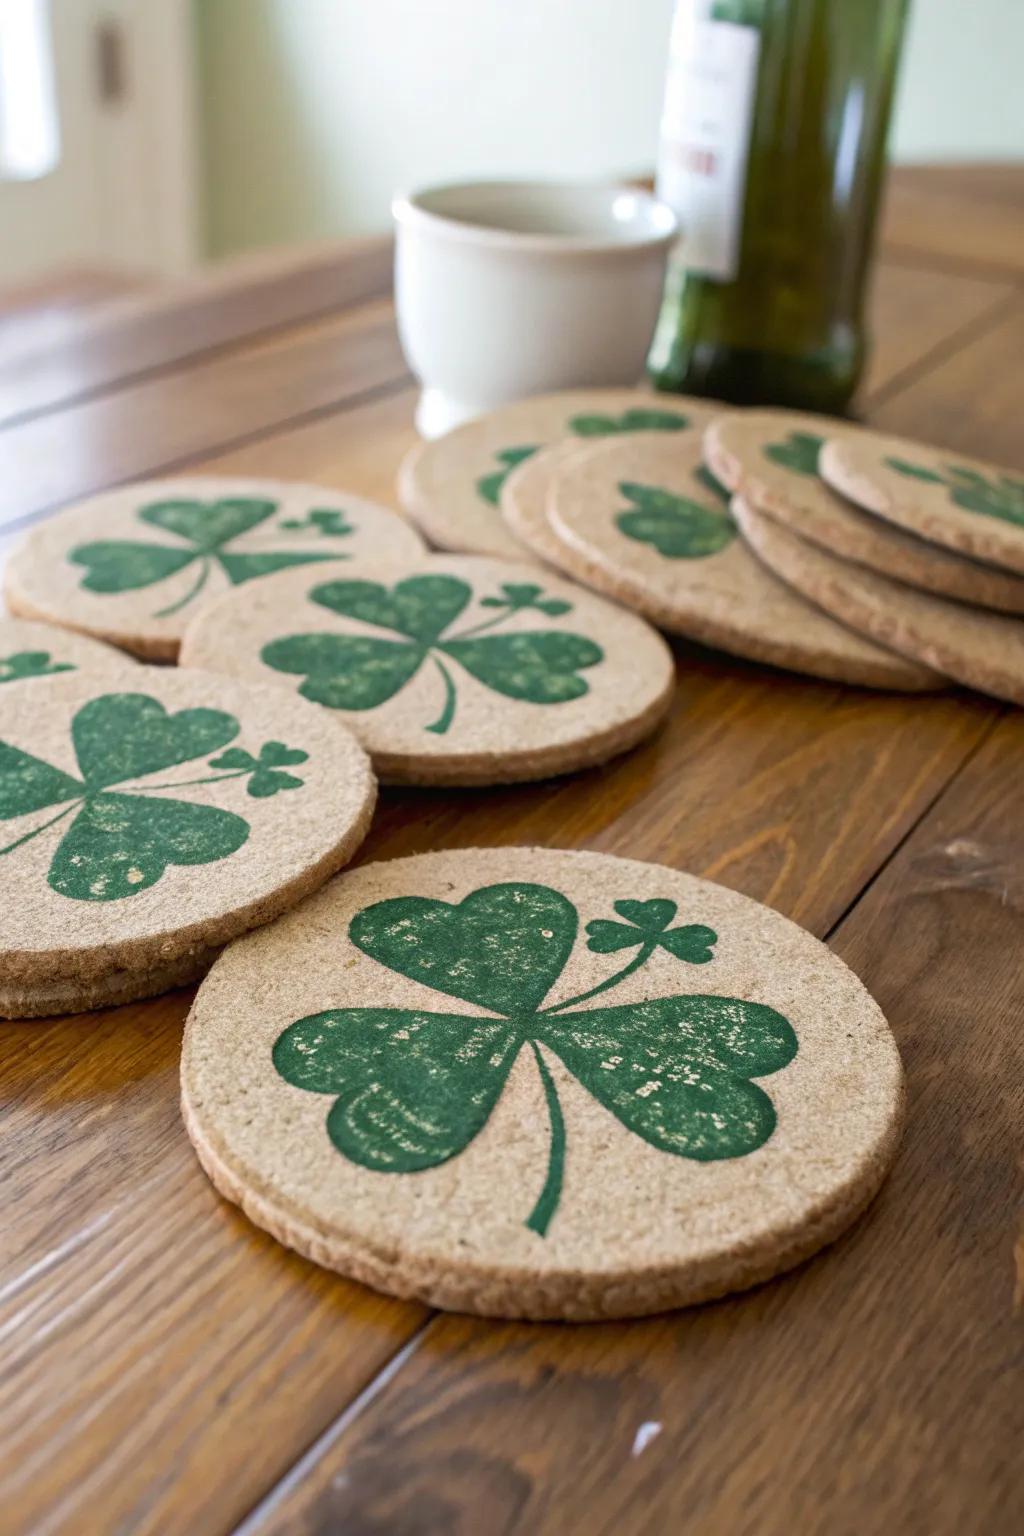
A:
(447, 714)
(194, 591)
(478, 629)
(539, 1218)
(214, 778)
(36, 830)
(640, 958)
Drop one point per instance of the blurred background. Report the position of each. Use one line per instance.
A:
(152, 135)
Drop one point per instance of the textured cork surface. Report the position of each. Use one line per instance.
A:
(33, 652)
(967, 505)
(980, 649)
(146, 821)
(451, 669)
(770, 459)
(524, 500)
(530, 1083)
(452, 486)
(135, 564)
(637, 519)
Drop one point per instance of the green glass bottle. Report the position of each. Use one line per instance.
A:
(773, 154)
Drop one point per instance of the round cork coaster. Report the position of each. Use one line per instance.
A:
(452, 485)
(968, 505)
(30, 652)
(524, 500)
(529, 1083)
(133, 565)
(147, 819)
(451, 669)
(982, 650)
(642, 520)
(770, 458)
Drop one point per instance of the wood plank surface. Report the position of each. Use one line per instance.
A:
(878, 1388)
(962, 218)
(170, 1369)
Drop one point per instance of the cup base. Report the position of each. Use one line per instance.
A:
(437, 413)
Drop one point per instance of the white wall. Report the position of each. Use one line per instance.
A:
(315, 110)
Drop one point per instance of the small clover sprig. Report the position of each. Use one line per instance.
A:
(30, 664)
(1001, 496)
(323, 520)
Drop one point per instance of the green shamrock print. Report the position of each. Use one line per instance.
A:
(360, 672)
(799, 452)
(30, 664)
(320, 520)
(1002, 496)
(122, 841)
(638, 419)
(412, 1088)
(207, 530)
(676, 526)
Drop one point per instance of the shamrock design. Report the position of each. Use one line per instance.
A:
(30, 664)
(637, 419)
(321, 520)
(411, 1088)
(678, 527)
(207, 530)
(363, 671)
(122, 840)
(1002, 496)
(799, 452)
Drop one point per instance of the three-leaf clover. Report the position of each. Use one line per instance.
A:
(489, 486)
(30, 664)
(647, 925)
(1001, 496)
(323, 520)
(122, 840)
(519, 595)
(207, 530)
(411, 1088)
(799, 452)
(678, 527)
(363, 671)
(266, 775)
(636, 419)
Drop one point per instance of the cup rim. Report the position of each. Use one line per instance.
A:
(409, 212)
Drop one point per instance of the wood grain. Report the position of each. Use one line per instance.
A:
(221, 305)
(877, 1388)
(967, 217)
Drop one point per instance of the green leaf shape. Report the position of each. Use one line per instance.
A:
(678, 528)
(636, 419)
(503, 947)
(676, 1070)
(488, 487)
(710, 482)
(421, 607)
(647, 923)
(413, 1088)
(121, 844)
(209, 525)
(799, 452)
(242, 568)
(354, 672)
(123, 736)
(325, 521)
(1002, 498)
(915, 471)
(121, 565)
(266, 770)
(538, 668)
(26, 664)
(27, 783)
(517, 596)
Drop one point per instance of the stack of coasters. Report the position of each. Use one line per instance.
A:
(450, 669)
(152, 816)
(529, 1083)
(452, 487)
(31, 652)
(641, 519)
(134, 564)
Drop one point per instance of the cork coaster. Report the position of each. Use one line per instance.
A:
(965, 504)
(30, 652)
(148, 819)
(524, 500)
(452, 486)
(450, 669)
(134, 565)
(529, 1083)
(642, 519)
(983, 650)
(771, 459)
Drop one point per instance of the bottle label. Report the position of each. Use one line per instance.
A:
(705, 135)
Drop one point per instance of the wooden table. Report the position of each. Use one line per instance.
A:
(168, 1368)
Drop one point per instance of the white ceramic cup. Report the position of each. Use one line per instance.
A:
(513, 288)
